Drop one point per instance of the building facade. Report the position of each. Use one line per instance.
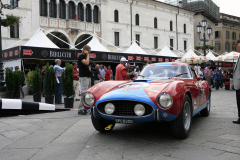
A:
(151, 23)
(227, 31)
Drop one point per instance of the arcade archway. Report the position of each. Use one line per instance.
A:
(58, 42)
(82, 38)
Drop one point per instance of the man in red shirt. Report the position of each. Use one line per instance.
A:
(76, 83)
(108, 74)
(121, 72)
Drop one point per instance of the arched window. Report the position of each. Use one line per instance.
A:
(116, 16)
(234, 35)
(137, 19)
(227, 35)
(155, 22)
(171, 26)
(62, 9)
(88, 13)
(95, 14)
(53, 9)
(43, 7)
(80, 12)
(184, 28)
(71, 10)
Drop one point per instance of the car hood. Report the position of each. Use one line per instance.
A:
(139, 90)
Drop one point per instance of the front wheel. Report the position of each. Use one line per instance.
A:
(102, 125)
(206, 111)
(182, 125)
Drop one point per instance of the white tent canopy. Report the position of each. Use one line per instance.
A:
(210, 55)
(96, 45)
(166, 52)
(134, 48)
(39, 39)
(190, 53)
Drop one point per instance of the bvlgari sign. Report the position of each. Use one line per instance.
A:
(58, 54)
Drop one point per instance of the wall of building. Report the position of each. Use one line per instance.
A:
(147, 11)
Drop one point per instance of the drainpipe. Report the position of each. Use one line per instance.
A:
(131, 18)
(177, 27)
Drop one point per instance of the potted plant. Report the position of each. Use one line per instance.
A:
(67, 86)
(28, 81)
(37, 85)
(10, 20)
(9, 79)
(18, 80)
(49, 84)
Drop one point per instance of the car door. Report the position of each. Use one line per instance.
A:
(196, 90)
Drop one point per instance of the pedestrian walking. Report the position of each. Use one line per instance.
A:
(230, 75)
(58, 70)
(218, 78)
(97, 78)
(43, 75)
(236, 81)
(84, 74)
(121, 73)
(109, 68)
(207, 73)
(102, 72)
(76, 83)
(107, 74)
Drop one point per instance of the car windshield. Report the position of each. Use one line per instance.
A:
(179, 71)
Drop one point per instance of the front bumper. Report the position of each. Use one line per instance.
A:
(157, 115)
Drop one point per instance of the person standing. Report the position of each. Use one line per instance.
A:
(236, 81)
(230, 75)
(43, 75)
(218, 77)
(137, 71)
(58, 70)
(76, 83)
(129, 70)
(97, 78)
(109, 68)
(121, 72)
(84, 74)
(107, 74)
(207, 73)
(201, 73)
(102, 72)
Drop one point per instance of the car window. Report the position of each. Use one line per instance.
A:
(166, 71)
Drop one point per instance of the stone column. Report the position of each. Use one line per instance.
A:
(84, 14)
(57, 3)
(76, 10)
(92, 16)
(66, 11)
(99, 16)
(48, 13)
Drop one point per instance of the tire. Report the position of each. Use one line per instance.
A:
(101, 124)
(182, 125)
(206, 111)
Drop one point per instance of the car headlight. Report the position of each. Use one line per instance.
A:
(139, 110)
(88, 99)
(165, 100)
(109, 108)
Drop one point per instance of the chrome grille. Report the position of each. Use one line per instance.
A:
(124, 107)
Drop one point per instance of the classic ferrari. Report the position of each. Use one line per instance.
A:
(163, 92)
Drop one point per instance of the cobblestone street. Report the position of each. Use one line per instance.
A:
(69, 136)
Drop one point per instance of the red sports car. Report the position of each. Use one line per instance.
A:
(163, 92)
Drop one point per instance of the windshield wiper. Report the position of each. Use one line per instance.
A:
(180, 74)
(142, 76)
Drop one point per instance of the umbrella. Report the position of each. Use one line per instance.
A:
(231, 56)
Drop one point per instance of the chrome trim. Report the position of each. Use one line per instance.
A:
(94, 112)
(125, 100)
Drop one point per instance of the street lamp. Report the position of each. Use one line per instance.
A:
(208, 30)
(2, 82)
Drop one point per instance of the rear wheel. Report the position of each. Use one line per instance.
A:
(102, 125)
(206, 111)
(182, 125)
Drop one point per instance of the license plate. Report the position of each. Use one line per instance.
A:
(125, 121)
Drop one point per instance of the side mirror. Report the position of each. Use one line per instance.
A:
(198, 78)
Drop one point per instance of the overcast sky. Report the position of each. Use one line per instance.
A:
(231, 7)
